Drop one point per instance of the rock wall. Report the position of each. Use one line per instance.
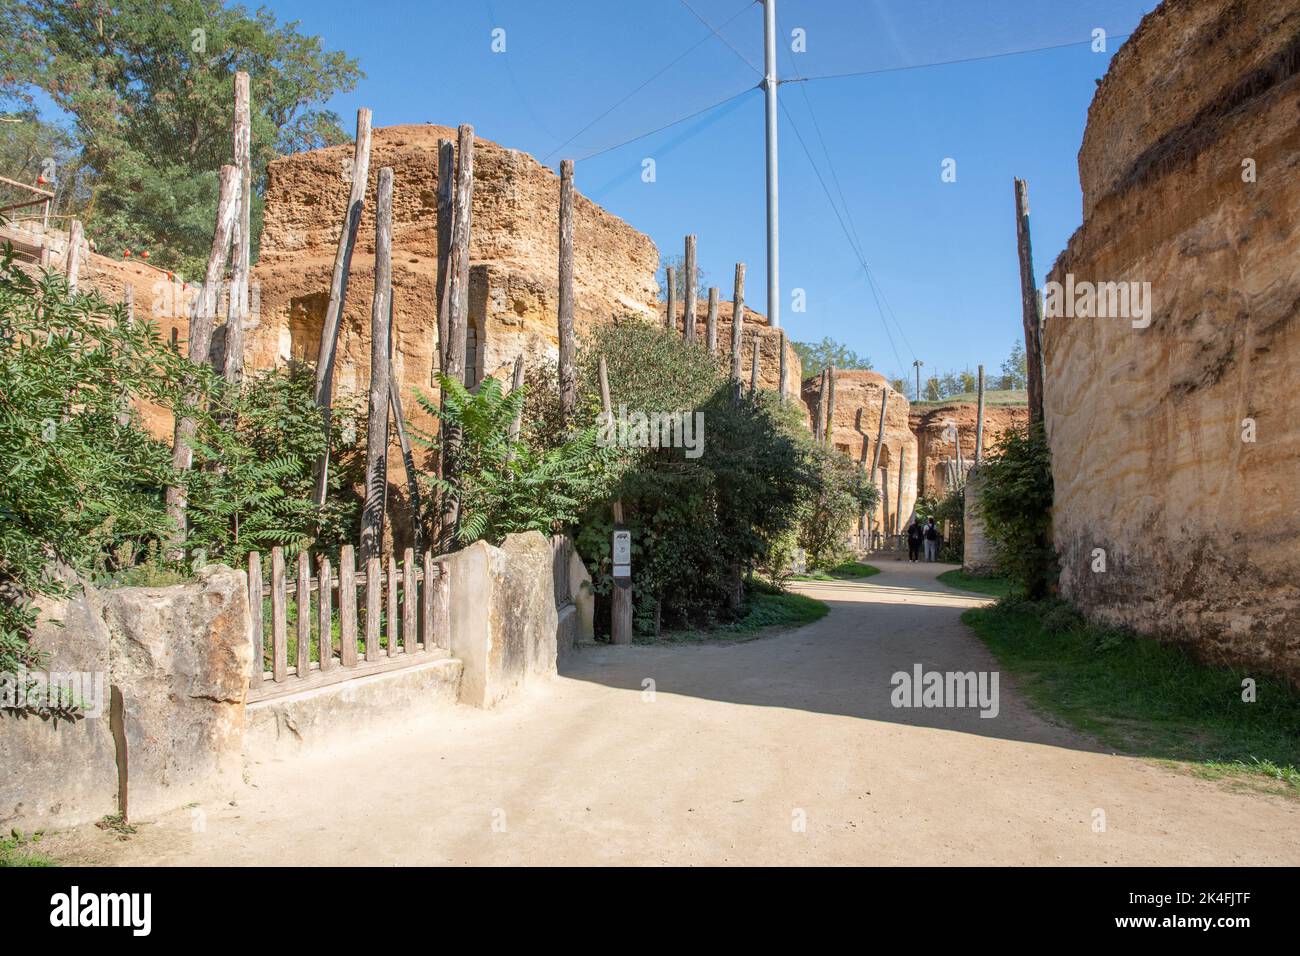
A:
(856, 425)
(1176, 446)
(514, 251)
(933, 424)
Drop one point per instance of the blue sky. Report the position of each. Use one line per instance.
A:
(943, 254)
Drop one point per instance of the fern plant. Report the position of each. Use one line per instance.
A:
(506, 484)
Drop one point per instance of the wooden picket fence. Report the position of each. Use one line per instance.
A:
(404, 619)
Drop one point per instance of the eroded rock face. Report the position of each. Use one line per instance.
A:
(1150, 427)
(857, 422)
(935, 427)
(182, 658)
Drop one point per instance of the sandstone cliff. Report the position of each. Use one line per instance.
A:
(933, 424)
(1176, 447)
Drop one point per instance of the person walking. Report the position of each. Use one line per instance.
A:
(915, 535)
(931, 541)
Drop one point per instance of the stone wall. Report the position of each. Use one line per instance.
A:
(935, 446)
(1176, 447)
(857, 422)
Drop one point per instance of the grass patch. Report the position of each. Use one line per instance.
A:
(16, 850)
(766, 608)
(846, 571)
(1142, 697)
(981, 584)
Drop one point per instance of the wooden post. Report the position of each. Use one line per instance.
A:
(446, 215)
(457, 311)
(442, 607)
(670, 311)
(979, 419)
(376, 487)
(875, 459)
(830, 407)
(688, 317)
(516, 383)
(884, 502)
(279, 619)
(568, 372)
(711, 322)
(781, 377)
(426, 603)
(200, 343)
(255, 635)
(754, 363)
(408, 455)
(902, 470)
(410, 604)
(347, 607)
(737, 321)
(237, 312)
(620, 625)
(390, 580)
(374, 606)
(325, 614)
(302, 605)
(329, 334)
(72, 259)
(1031, 315)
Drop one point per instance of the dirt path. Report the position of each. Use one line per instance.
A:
(736, 745)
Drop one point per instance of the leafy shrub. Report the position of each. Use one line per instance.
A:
(1016, 504)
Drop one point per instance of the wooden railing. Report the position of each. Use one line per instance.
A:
(404, 619)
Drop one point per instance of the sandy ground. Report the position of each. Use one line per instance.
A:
(784, 750)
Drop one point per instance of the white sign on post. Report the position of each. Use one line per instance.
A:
(622, 553)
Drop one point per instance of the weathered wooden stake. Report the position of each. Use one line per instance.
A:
(410, 604)
(279, 619)
(781, 376)
(620, 625)
(374, 605)
(688, 318)
(329, 333)
(390, 579)
(237, 312)
(347, 606)
(516, 383)
(711, 322)
(830, 407)
(302, 609)
(902, 470)
(72, 260)
(737, 321)
(458, 312)
(255, 634)
(875, 459)
(979, 419)
(408, 455)
(199, 351)
(324, 613)
(376, 488)
(568, 370)
(1031, 314)
(753, 367)
(670, 310)
(446, 215)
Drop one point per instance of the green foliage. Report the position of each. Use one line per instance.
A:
(949, 513)
(1015, 370)
(678, 264)
(81, 479)
(151, 105)
(840, 494)
(507, 485)
(763, 609)
(1016, 504)
(815, 356)
(979, 583)
(252, 486)
(1141, 696)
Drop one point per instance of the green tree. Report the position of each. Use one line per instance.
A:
(815, 356)
(678, 264)
(1016, 505)
(1015, 370)
(148, 90)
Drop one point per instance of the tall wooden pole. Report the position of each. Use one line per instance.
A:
(446, 213)
(875, 458)
(781, 376)
(979, 419)
(329, 334)
(237, 314)
(199, 350)
(1031, 316)
(902, 470)
(516, 383)
(457, 314)
(737, 321)
(372, 512)
(688, 320)
(830, 407)
(753, 367)
(670, 310)
(568, 371)
(72, 261)
(620, 625)
(711, 322)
